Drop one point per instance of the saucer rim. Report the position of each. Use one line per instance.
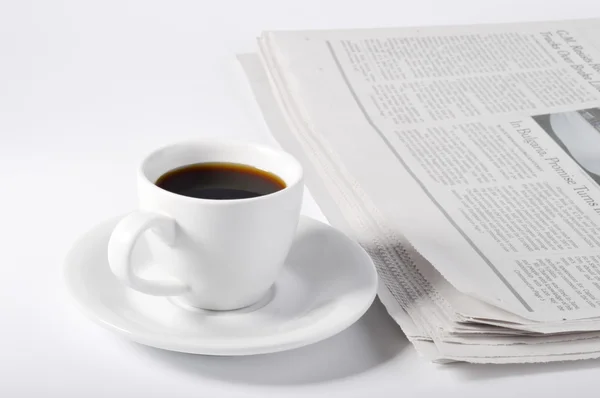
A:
(306, 335)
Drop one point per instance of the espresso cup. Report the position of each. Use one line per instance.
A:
(216, 254)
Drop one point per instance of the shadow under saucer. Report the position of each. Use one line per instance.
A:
(370, 342)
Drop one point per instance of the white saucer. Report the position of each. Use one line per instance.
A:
(327, 284)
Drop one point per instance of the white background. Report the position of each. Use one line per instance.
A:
(86, 89)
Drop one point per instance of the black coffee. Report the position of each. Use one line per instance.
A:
(220, 181)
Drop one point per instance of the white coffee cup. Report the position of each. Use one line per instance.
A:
(218, 254)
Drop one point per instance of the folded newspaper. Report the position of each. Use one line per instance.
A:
(466, 161)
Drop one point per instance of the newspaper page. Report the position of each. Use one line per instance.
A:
(494, 344)
(480, 145)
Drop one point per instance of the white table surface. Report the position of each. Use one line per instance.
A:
(86, 89)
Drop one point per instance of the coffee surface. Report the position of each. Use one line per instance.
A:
(223, 181)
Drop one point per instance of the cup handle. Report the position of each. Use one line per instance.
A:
(120, 247)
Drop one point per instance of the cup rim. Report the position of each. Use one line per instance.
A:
(299, 179)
